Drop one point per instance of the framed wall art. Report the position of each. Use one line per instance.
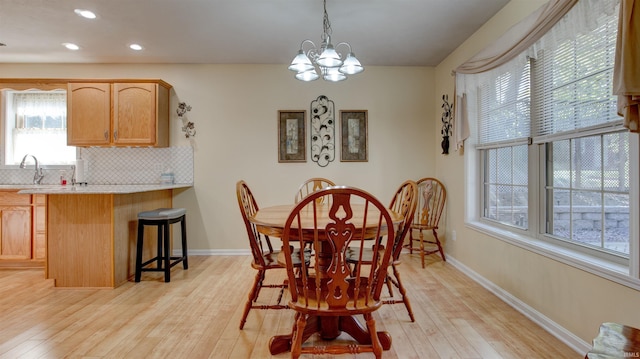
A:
(291, 136)
(353, 124)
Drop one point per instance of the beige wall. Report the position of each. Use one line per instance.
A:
(235, 108)
(574, 299)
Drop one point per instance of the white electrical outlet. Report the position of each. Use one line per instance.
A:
(453, 235)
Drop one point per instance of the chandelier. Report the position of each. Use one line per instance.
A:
(325, 61)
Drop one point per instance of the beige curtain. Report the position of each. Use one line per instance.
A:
(514, 42)
(626, 71)
(518, 39)
(460, 130)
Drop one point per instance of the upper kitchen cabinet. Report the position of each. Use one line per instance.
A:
(89, 114)
(118, 114)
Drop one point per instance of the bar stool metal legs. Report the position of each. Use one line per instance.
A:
(161, 218)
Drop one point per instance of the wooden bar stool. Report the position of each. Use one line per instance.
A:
(162, 218)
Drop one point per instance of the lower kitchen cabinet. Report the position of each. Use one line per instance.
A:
(15, 232)
(22, 230)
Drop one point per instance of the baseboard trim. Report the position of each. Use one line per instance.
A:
(570, 339)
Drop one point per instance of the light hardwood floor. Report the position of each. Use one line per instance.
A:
(197, 314)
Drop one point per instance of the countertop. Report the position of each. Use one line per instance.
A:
(91, 189)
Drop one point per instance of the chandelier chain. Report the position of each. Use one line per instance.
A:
(326, 24)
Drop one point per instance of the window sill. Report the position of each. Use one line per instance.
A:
(602, 268)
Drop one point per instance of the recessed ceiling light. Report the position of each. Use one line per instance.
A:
(135, 47)
(70, 46)
(85, 13)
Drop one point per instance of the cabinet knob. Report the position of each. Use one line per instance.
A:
(106, 135)
(115, 135)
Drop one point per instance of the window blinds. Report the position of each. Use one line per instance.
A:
(504, 109)
(570, 78)
(573, 82)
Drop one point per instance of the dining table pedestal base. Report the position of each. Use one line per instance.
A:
(329, 328)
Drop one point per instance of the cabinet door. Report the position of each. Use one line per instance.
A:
(134, 114)
(15, 232)
(88, 114)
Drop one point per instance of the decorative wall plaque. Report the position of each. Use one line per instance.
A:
(322, 131)
(447, 123)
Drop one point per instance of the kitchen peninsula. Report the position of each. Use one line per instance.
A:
(91, 230)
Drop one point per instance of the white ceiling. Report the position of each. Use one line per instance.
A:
(381, 32)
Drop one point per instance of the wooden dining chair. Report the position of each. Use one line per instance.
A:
(311, 185)
(331, 297)
(404, 202)
(431, 199)
(265, 258)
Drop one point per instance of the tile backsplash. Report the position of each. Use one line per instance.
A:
(117, 166)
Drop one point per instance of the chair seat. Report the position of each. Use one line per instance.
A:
(364, 304)
(276, 259)
(162, 214)
(424, 227)
(367, 255)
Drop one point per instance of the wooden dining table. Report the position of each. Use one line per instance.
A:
(270, 221)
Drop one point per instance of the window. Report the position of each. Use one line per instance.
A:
(505, 185)
(586, 151)
(554, 158)
(587, 191)
(504, 128)
(35, 122)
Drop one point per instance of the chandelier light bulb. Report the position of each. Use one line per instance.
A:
(334, 75)
(351, 65)
(307, 75)
(329, 57)
(301, 63)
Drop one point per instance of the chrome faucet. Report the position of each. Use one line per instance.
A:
(37, 177)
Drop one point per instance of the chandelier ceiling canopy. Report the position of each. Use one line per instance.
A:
(325, 61)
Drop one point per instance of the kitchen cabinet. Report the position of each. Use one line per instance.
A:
(88, 114)
(118, 113)
(15, 232)
(22, 230)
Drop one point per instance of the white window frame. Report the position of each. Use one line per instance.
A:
(626, 273)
